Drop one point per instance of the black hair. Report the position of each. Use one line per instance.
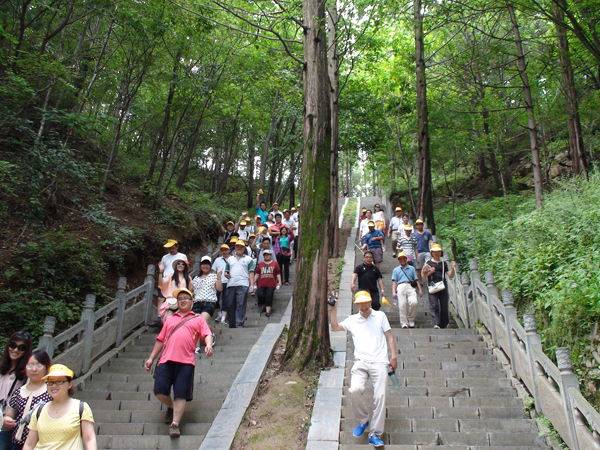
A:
(278, 214)
(369, 252)
(186, 274)
(368, 210)
(263, 203)
(5, 363)
(286, 229)
(71, 391)
(43, 358)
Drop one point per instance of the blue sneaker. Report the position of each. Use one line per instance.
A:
(376, 441)
(360, 429)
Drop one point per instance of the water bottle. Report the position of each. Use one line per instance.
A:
(393, 377)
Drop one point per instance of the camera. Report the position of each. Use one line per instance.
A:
(332, 300)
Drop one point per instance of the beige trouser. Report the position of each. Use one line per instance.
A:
(407, 300)
(361, 371)
(395, 236)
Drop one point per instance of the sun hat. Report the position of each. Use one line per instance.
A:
(248, 218)
(435, 248)
(233, 239)
(407, 227)
(402, 255)
(398, 208)
(268, 252)
(419, 221)
(206, 258)
(371, 223)
(275, 204)
(187, 263)
(230, 223)
(179, 291)
(59, 370)
(224, 247)
(258, 217)
(242, 222)
(293, 208)
(362, 297)
(252, 235)
(240, 242)
(170, 243)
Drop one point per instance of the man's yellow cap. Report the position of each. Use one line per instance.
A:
(170, 243)
(362, 297)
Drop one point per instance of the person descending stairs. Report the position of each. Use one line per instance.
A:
(452, 394)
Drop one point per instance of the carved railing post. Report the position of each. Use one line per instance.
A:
(491, 291)
(532, 339)
(47, 339)
(197, 259)
(89, 318)
(475, 275)
(510, 315)
(567, 380)
(464, 280)
(149, 282)
(121, 297)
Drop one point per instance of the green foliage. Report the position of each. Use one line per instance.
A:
(548, 258)
(50, 277)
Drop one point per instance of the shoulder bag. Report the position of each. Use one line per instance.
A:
(439, 286)
(155, 364)
(413, 283)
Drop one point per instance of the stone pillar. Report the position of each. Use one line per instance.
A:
(464, 280)
(89, 318)
(491, 291)
(121, 297)
(475, 276)
(510, 314)
(532, 340)
(149, 282)
(197, 259)
(47, 339)
(568, 380)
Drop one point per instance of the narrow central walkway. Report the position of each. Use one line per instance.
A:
(454, 393)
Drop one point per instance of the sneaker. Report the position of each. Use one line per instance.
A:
(174, 431)
(360, 429)
(218, 315)
(404, 326)
(198, 351)
(287, 283)
(267, 314)
(169, 416)
(264, 310)
(376, 441)
(411, 324)
(437, 327)
(223, 320)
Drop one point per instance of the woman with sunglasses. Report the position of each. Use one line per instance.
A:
(179, 279)
(64, 423)
(12, 374)
(27, 398)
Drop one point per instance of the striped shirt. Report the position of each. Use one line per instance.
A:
(407, 244)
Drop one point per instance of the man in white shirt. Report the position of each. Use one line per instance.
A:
(364, 224)
(395, 228)
(240, 279)
(370, 329)
(219, 265)
(167, 261)
(242, 230)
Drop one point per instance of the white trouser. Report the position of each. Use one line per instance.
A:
(407, 300)
(377, 371)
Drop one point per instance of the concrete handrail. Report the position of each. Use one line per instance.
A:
(554, 387)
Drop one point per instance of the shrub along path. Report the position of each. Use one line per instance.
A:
(453, 395)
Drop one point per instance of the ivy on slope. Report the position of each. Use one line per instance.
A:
(549, 258)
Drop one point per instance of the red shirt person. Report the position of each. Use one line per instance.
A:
(269, 278)
(175, 369)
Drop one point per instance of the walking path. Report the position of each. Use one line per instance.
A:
(128, 415)
(453, 395)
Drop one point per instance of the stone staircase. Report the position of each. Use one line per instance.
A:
(128, 415)
(453, 391)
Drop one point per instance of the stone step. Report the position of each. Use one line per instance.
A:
(456, 425)
(446, 412)
(449, 438)
(148, 442)
(150, 429)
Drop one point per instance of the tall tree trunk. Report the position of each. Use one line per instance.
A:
(308, 338)
(334, 80)
(265, 156)
(425, 184)
(576, 148)
(535, 153)
(251, 153)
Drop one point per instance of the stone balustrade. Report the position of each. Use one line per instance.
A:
(554, 387)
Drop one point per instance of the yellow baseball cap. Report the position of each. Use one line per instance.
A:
(230, 223)
(170, 243)
(233, 239)
(240, 243)
(402, 255)
(362, 297)
(298, 205)
(436, 248)
(224, 247)
(258, 217)
(252, 235)
(371, 223)
(398, 208)
(275, 204)
(293, 208)
(419, 221)
(364, 210)
(248, 218)
(59, 370)
(179, 291)
(407, 227)
(243, 222)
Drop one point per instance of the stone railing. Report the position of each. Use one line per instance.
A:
(99, 331)
(554, 389)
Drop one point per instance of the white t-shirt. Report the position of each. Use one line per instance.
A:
(243, 234)
(295, 217)
(220, 263)
(291, 223)
(370, 343)
(364, 228)
(378, 216)
(168, 261)
(396, 224)
(240, 269)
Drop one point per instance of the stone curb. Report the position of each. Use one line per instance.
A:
(222, 432)
(325, 422)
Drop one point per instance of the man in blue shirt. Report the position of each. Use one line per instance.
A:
(424, 242)
(373, 240)
(402, 277)
(261, 207)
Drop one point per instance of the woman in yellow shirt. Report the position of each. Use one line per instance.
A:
(64, 423)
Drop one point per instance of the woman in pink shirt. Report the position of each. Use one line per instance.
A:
(180, 279)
